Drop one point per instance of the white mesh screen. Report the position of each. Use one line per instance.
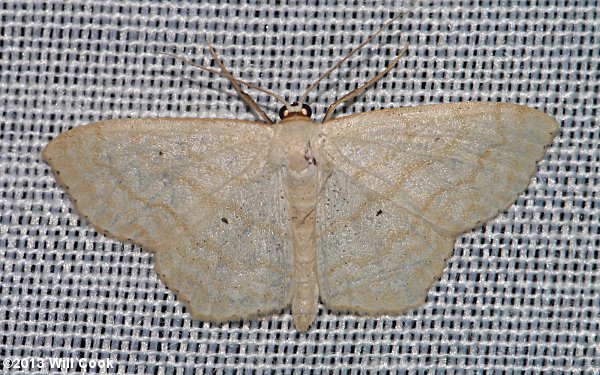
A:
(521, 293)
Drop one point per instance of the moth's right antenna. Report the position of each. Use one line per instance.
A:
(362, 88)
(356, 49)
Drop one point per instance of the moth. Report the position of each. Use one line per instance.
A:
(246, 218)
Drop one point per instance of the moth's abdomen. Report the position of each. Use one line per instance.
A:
(301, 192)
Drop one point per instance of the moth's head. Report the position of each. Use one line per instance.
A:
(295, 109)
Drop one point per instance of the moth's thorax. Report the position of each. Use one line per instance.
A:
(294, 142)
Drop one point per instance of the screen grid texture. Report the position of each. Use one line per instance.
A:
(521, 293)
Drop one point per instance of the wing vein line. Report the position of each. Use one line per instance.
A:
(465, 156)
(404, 205)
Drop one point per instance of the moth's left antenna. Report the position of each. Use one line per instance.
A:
(245, 97)
(213, 71)
(236, 82)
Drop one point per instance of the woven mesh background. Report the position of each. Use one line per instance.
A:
(521, 293)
